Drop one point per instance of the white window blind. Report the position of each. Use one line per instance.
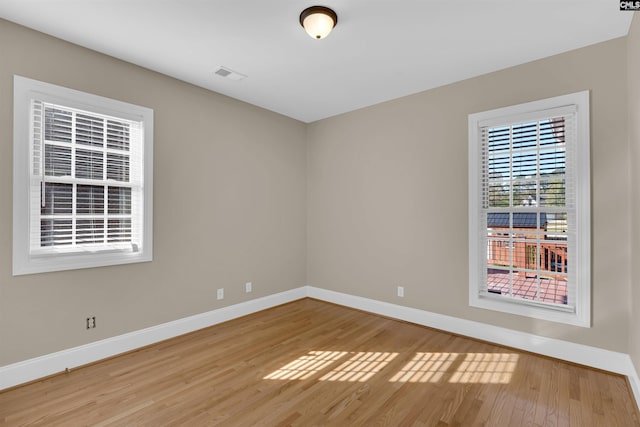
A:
(529, 209)
(87, 180)
(82, 179)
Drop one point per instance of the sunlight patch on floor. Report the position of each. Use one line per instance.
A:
(424, 367)
(484, 368)
(360, 367)
(306, 366)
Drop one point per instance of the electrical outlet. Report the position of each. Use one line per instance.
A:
(91, 322)
(401, 291)
(221, 293)
(248, 287)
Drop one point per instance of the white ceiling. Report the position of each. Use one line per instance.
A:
(380, 49)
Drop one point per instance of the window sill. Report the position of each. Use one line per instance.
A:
(77, 260)
(531, 309)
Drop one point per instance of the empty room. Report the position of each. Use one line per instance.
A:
(277, 213)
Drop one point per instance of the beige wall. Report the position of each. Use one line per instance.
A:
(633, 77)
(229, 205)
(387, 193)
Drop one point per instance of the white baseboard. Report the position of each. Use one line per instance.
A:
(32, 369)
(634, 382)
(607, 360)
(39, 367)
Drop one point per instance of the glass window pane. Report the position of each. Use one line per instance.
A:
(525, 136)
(525, 164)
(118, 167)
(119, 200)
(57, 125)
(89, 130)
(57, 160)
(119, 230)
(58, 199)
(89, 231)
(499, 139)
(499, 166)
(498, 194)
(90, 199)
(117, 135)
(89, 164)
(524, 193)
(527, 255)
(553, 191)
(552, 161)
(552, 132)
(498, 281)
(55, 232)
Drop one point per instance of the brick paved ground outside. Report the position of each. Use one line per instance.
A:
(551, 290)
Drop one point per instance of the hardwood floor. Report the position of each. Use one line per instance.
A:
(311, 363)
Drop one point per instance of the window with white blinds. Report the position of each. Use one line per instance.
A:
(529, 245)
(85, 198)
(88, 168)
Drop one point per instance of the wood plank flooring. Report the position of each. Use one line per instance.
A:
(311, 363)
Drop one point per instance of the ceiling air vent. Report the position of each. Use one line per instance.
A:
(229, 74)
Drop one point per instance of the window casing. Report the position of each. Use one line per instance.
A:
(82, 179)
(529, 209)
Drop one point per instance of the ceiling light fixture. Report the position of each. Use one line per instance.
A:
(318, 21)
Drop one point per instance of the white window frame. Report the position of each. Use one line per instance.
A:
(28, 261)
(579, 294)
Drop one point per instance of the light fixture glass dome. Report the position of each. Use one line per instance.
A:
(318, 21)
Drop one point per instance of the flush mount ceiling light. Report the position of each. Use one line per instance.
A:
(318, 21)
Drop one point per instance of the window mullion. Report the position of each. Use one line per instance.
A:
(104, 150)
(105, 210)
(511, 179)
(539, 206)
(105, 216)
(74, 191)
(511, 199)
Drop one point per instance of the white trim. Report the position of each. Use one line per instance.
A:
(634, 382)
(39, 367)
